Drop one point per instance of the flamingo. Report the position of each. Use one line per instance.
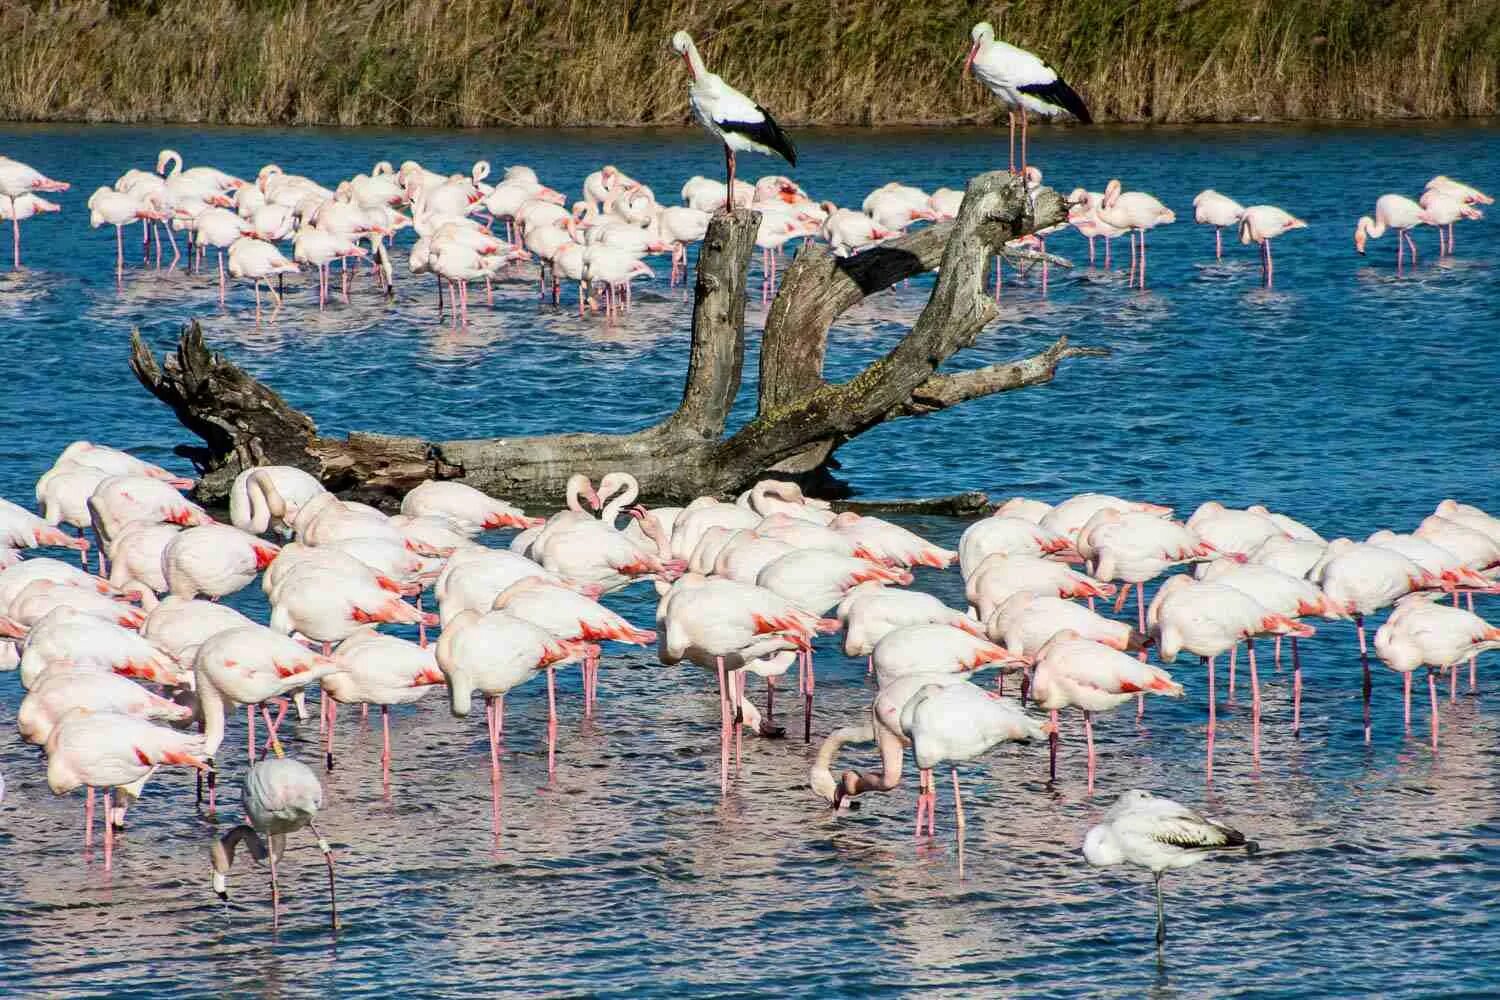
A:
(1446, 208)
(70, 639)
(376, 669)
(329, 607)
(118, 463)
(1392, 211)
(850, 232)
(493, 654)
(1083, 215)
(1011, 536)
(470, 510)
(1423, 633)
(40, 597)
(1232, 532)
(1151, 832)
(20, 528)
(263, 497)
(1137, 212)
(61, 691)
(1261, 223)
(1001, 575)
(1210, 619)
(1024, 622)
(954, 723)
(570, 616)
(1210, 208)
(723, 625)
(1022, 82)
(731, 117)
(281, 796)
(871, 611)
(258, 260)
(892, 544)
(1458, 189)
(214, 559)
(249, 666)
(179, 626)
(1285, 594)
(1069, 517)
(219, 228)
(614, 269)
(16, 578)
(320, 247)
(135, 560)
(17, 179)
(113, 751)
(1071, 671)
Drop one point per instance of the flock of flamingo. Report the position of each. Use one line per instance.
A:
(602, 240)
(139, 667)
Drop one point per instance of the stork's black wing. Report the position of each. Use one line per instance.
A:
(767, 133)
(1058, 93)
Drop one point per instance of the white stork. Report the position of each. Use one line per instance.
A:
(737, 121)
(1022, 82)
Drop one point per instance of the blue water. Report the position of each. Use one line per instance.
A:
(1349, 396)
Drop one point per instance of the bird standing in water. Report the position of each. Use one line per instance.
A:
(737, 121)
(282, 796)
(1156, 833)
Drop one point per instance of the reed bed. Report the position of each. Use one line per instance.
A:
(599, 62)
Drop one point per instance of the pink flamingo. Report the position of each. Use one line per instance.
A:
(1392, 211)
(1261, 224)
(111, 751)
(493, 654)
(1071, 671)
(722, 625)
(1137, 212)
(1423, 633)
(1210, 619)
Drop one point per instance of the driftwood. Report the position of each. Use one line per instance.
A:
(958, 505)
(801, 418)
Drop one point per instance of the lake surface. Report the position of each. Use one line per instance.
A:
(1349, 396)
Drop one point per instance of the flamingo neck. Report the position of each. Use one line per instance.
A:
(211, 702)
(224, 848)
(822, 769)
(622, 499)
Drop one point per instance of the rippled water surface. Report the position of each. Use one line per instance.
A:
(1348, 396)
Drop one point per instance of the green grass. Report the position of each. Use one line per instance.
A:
(568, 62)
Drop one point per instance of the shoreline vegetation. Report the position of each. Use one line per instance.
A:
(466, 63)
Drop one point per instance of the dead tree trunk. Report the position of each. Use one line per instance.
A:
(801, 418)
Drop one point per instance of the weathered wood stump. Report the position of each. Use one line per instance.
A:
(801, 419)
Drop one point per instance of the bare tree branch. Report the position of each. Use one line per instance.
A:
(942, 391)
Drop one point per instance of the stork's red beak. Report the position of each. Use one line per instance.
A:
(689, 64)
(973, 51)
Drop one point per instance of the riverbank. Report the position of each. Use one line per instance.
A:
(884, 62)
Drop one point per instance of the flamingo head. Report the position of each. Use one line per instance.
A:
(1111, 193)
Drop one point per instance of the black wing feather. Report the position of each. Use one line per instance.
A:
(767, 133)
(1063, 96)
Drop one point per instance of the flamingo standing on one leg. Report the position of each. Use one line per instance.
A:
(1147, 831)
(1210, 208)
(17, 179)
